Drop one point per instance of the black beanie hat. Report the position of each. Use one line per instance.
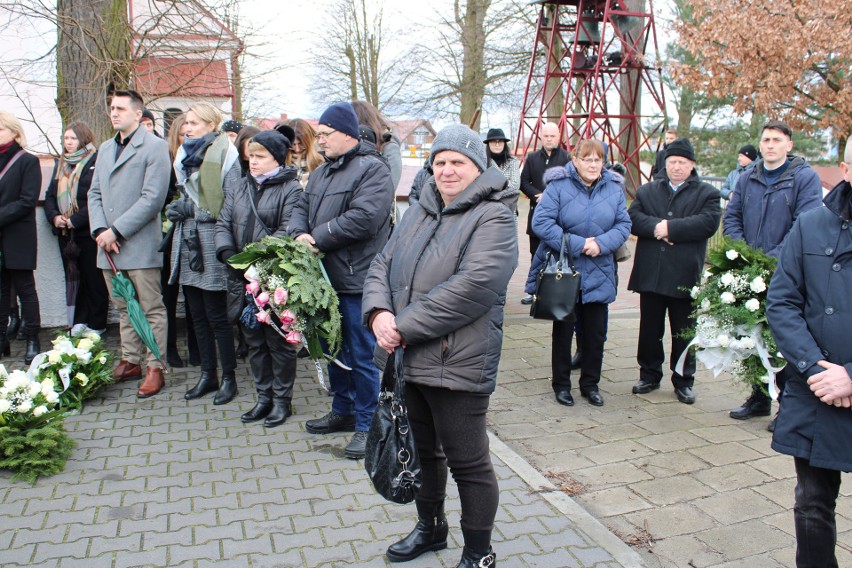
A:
(749, 152)
(275, 142)
(681, 147)
(149, 115)
(287, 131)
(341, 117)
(232, 126)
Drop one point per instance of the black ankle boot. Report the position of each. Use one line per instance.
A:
(5, 347)
(33, 349)
(477, 551)
(14, 325)
(281, 410)
(227, 391)
(430, 533)
(261, 409)
(208, 383)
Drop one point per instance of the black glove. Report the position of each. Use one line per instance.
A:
(180, 210)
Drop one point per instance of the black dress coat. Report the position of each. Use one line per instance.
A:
(693, 213)
(532, 175)
(19, 191)
(80, 219)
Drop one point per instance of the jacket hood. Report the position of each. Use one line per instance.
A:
(488, 186)
(569, 171)
(838, 200)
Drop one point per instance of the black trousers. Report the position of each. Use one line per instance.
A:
(92, 302)
(594, 317)
(212, 328)
(780, 380)
(170, 298)
(25, 288)
(449, 430)
(813, 513)
(272, 361)
(652, 326)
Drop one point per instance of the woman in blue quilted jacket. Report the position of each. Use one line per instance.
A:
(586, 202)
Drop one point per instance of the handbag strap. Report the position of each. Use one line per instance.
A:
(565, 246)
(399, 384)
(256, 214)
(12, 161)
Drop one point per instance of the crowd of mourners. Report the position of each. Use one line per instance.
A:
(169, 213)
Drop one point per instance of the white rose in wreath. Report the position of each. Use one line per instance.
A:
(727, 298)
(758, 285)
(747, 342)
(723, 340)
(753, 305)
(5, 405)
(694, 292)
(727, 279)
(732, 254)
(705, 304)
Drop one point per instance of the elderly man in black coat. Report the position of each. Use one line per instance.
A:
(673, 218)
(809, 308)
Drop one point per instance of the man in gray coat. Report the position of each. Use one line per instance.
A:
(128, 191)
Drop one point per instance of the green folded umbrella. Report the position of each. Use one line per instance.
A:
(123, 288)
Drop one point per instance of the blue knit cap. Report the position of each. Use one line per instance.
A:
(341, 117)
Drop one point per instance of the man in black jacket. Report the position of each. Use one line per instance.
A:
(345, 213)
(548, 156)
(673, 219)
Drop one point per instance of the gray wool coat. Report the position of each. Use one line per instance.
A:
(128, 194)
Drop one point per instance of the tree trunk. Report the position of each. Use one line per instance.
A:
(93, 59)
(685, 110)
(631, 103)
(472, 26)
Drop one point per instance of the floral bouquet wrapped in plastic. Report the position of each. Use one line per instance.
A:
(79, 365)
(731, 332)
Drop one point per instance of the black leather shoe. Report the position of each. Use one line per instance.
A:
(564, 398)
(174, 359)
(527, 300)
(594, 397)
(644, 387)
(685, 395)
(281, 411)
(756, 405)
(577, 360)
(207, 383)
(430, 533)
(33, 349)
(771, 426)
(356, 449)
(227, 391)
(471, 559)
(260, 411)
(329, 423)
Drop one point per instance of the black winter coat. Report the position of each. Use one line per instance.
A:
(444, 275)
(19, 191)
(809, 308)
(532, 175)
(80, 219)
(346, 208)
(693, 214)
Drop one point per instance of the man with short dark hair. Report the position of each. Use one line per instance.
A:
(673, 218)
(766, 202)
(345, 213)
(808, 308)
(129, 188)
(550, 155)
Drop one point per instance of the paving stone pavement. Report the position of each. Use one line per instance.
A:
(169, 482)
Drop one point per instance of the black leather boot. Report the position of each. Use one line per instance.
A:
(14, 325)
(5, 347)
(430, 533)
(33, 349)
(261, 409)
(208, 383)
(477, 551)
(281, 410)
(227, 391)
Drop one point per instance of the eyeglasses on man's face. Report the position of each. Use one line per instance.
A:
(325, 134)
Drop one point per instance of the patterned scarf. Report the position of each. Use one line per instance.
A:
(71, 167)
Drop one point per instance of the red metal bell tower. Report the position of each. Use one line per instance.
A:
(595, 72)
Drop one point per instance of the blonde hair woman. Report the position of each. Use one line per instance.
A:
(207, 169)
(20, 184)
(303, 153)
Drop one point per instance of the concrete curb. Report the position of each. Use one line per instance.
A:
(594, 529)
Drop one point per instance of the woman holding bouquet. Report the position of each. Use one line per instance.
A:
(207, 169)
(438, 288)
(259, 207)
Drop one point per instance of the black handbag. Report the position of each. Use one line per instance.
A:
(391, 458)
(557, 286)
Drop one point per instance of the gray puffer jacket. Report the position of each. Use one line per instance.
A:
(444, 275)
(274, 199)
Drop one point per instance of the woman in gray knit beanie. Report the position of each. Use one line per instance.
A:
(454, 252)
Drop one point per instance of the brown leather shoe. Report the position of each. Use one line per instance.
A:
(153, 383)
(126, 370)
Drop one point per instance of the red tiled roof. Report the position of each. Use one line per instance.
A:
(830, 176)
(406, 127)
(160, 76)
